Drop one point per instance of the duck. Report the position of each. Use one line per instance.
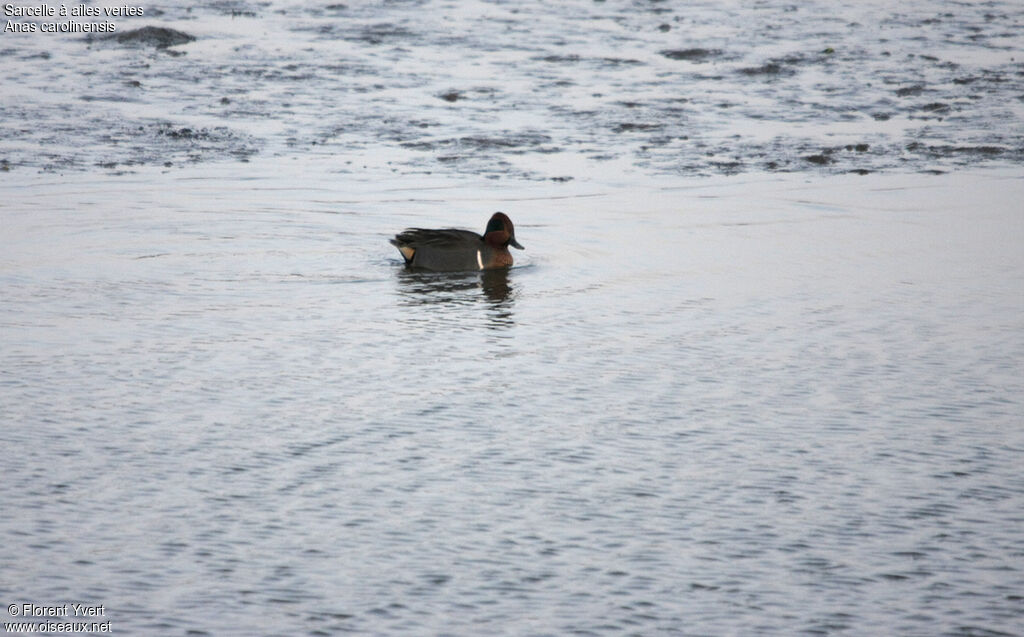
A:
(455, 250)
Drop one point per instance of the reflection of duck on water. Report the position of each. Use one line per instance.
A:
(454, 250)
(428, 288)
(495, 285)
(451, 295)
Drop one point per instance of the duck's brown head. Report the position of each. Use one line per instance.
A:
(501, 232)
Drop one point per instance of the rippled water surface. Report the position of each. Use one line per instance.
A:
(725, 406)
(757, 372)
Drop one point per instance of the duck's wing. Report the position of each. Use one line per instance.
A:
(440, 250)
(448, 249)
(447, 238)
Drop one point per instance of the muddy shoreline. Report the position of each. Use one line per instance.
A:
(526, 90)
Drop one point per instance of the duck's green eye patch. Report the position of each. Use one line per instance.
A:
(495, 225)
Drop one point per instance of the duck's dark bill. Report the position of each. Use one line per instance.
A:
(515, 244)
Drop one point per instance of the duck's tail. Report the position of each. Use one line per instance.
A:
(407, 250)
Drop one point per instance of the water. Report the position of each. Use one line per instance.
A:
(709, 398)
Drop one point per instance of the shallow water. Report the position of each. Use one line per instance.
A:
(724, 406)
(710, 398)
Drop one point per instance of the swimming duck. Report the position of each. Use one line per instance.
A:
(453, 250)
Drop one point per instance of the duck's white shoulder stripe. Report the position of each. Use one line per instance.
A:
(479, 261)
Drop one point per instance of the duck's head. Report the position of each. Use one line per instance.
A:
(501, 232)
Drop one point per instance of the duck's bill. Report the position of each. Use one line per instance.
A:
(515, 244)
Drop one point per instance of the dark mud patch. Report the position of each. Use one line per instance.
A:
(378, 34)
(632, 127)
(616, 62)
(123, 143)
(513, 141)
(775, 68)
(910, 91)
(699, 157)
(559, 59)
(509, 142)
(485, 154)
(966, 155)
(157, 37)
(178, 144)
(768, 69)
(692, 55)
(572, 59)
(728, 167)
